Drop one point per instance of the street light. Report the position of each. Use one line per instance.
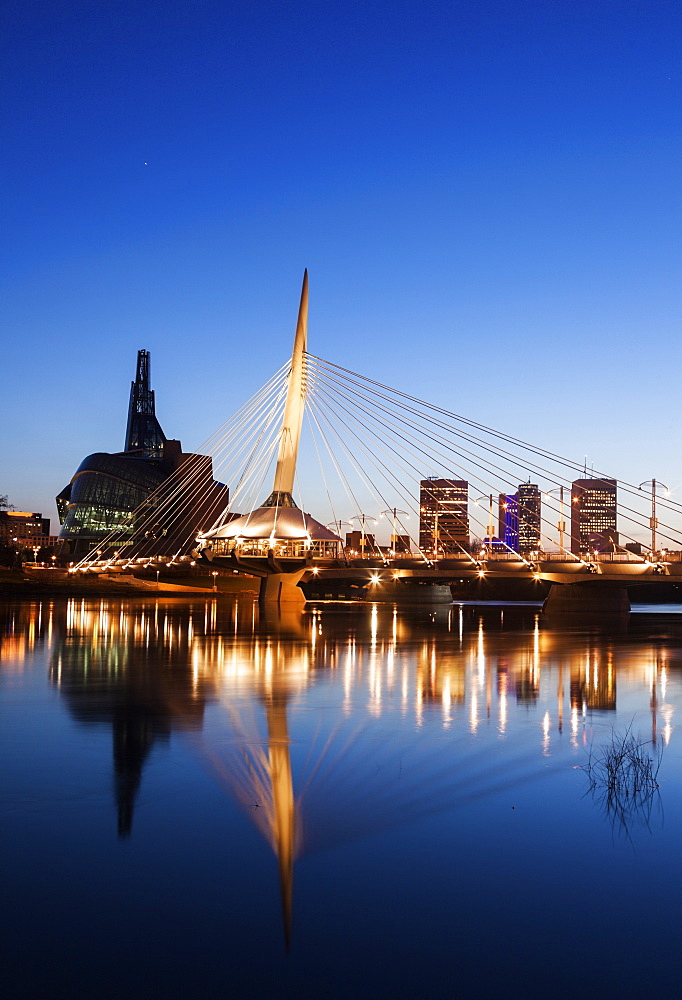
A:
(215, 584)
(363, 518)
(336, 525)
(394, 511)
(653, 521)
(561, 523)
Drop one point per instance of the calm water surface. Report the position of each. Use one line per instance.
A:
(198, 800)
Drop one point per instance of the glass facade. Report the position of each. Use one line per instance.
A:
(103, 494)
(529, 517)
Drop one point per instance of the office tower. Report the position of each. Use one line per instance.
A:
(529, 517)
(593, 515)
(508, 521)
(443, 515)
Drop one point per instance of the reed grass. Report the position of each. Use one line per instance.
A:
(623, 775)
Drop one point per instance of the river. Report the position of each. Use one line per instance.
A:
(202, 800)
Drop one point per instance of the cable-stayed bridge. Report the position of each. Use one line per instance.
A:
(320, 437)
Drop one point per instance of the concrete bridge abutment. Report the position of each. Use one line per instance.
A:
(587, 599)
(283, 589)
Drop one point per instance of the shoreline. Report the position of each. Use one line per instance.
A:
(20, 584)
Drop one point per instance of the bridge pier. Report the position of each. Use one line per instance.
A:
(587, 599)
(282, 588)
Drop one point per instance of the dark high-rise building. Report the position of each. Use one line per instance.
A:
(593, 515)
(108, 491)
(508, 521)
(529, 517)
(443, 515)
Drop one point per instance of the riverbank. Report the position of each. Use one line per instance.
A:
(58, 583)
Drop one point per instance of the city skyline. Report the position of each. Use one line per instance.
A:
(487, 201)
(521, 524)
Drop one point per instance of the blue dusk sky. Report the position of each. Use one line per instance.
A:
(486, 195)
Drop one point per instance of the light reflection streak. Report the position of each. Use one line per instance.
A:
(473, 713)
(347, 684)
(419, 700)
(390, 666)
(447, 702)
(375, 687)
(502, 708)
(574, 728)
(667, 712)
(480, 653)
(397, 676)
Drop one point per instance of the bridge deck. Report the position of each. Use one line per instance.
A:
(552, 569)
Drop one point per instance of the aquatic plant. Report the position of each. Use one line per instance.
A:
(623, 775)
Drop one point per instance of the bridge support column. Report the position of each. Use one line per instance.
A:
(587, 599)
(282, 588)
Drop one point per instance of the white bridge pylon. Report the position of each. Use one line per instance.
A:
(277, 541)
(290, 435)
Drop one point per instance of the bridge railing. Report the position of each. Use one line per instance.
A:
(615, 557)
(608, 557)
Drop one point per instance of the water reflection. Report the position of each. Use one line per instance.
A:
(446, 659)
(455, 680)
(135, 673)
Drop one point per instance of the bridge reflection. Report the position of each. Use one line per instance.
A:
(173, 657)
(149, 670)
